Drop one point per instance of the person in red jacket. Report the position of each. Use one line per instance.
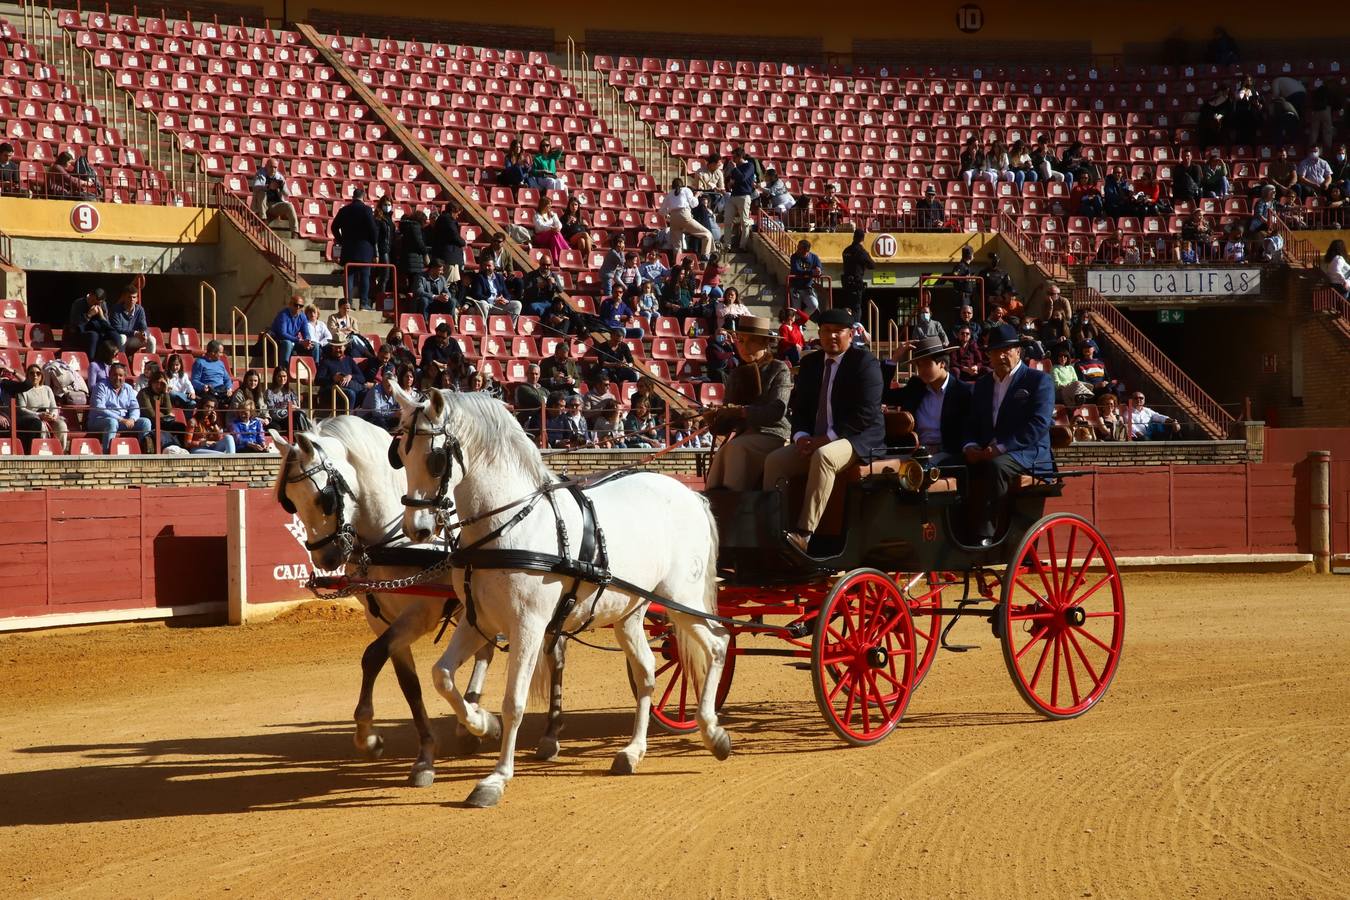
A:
(791, 341)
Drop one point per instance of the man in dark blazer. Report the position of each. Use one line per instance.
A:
(356, 233)
(488, 290)
(836, 419)
(938, 401)
(1008, 431)
(447, 244)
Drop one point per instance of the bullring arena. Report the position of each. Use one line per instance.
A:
(573, 451)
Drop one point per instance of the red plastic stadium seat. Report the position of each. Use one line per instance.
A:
(412, 323)
(124, 446)
(51, 447)
(185, 339)
(86, 446)
(10, 447)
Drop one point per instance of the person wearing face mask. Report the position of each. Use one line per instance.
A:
(1340, 170)
(925, 326)
(721, 357)
(1314, 174)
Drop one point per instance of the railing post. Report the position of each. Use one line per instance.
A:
(1319, 464)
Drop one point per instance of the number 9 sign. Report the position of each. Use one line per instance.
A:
(84, 218)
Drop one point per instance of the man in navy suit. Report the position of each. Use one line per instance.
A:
(489, 292)
(355, 231)
(1008, 432)
(836, 419)
(939, 402)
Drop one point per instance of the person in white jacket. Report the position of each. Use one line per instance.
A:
(1337, 267)
(678, 208)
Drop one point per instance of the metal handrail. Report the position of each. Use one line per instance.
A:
(6, 249)
(256, 230)
(270, 343)
(237, 316)
(346, 278)
(1204, 406)
(1328, 300)
(202, 288)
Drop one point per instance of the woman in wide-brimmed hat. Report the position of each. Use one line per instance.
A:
(755, 410)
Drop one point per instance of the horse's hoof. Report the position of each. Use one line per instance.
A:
(548, 749)
(622, 765)
(422, 777)
(494, 728)
(721, 747)
(485, 796)
(374, 748)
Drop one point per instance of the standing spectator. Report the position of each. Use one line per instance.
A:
(412, 242)
(89, 325)
(710, 282)
(967, 358)
(447, 242)
(612, 262)
(210, 376)
(559, 371)
(1289, 88)
(290, 329)
(247, 430)
(1321, 130)
(703, 214)
(803, 268)
(10, 184)
(116, 409)
(205, 434)
(318, 330)
(283, 404)
(343, 324)
(965, 288)
(678, 208)
(340, 372)
(181, 391)
(384, 247)
(1336, 266)
(711, 184)
(130, 329)
(39, 403)
(441, 354)
(998, 284)
(356, 233)
(544, 172)
(575, 230)
(774, 196)
(857, 262)
(1222, 49)
(489, 292)
(379, 405)
(271, 196)
(251, 391)
(157, 406)
(1216, 115)
(548, 230)
(1314, 175)
(1147, 425)
(741, 179)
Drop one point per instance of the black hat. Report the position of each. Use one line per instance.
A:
(1003, 335)
(833, 317)
(925, 348)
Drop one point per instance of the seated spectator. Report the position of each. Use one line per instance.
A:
(116, 409)
(1187, 175)
(1289, 209)
(371, 365)
(615, 357)
(88, 324)
(210, 376)
(432, 294)
(1214, 179)
(1281, 173)
(721, 356)
(379, 405)
(627, 277)
(440, 354)
(401, 354)
(489, 293)
(544, 169)
(530, 395)
(928, 212)
(559, 317)
(607, 425)
(1108, 251)
(653, 269)
(271, 196)
(791, 341)
(974, 163)
(1118, 193)
(317, 330)
(290, 329)
(181, 392)
(1198, 231)
(407, 379)
(614, 260)
(1234, 246)
(558, 373)
(1337, 207)
(599, 394)
(616, 313)
(105, 354)
(569, 427)
(967, 358)
(1086, 198)
(1092, 370)
(344, 325)
(803, 270)
(548, 229)
(10, 183)
(1032, 348)
(1314, 174)
(515, 169)
(251, 391)
(283, 404)
(540, 287)
(339, 371)
(647, 305)
(1082, 331)
(1147, 425)
(1068, 389)
(130, 329)
(710, 282)
(1148, 198)
(1336, 266)
(997, 316)
(1186, 254)
(157, 406)
(773, 194)
(827, 211)
(37, 407)
(732, 308)
(1054, 331)
(575, 229)
(64, 183)
(1340, 169)
(640, 428)
(247, 430)
(205, 434)
(1111, 424)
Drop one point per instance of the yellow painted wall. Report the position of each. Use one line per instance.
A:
(117, 222)
(1320, 239)
(910, 248)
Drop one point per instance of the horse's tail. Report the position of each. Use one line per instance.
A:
(541, 682)
(693, 652)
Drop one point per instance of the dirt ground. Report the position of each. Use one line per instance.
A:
(155, 761)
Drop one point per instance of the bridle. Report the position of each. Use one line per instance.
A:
(330, 501)
(440, 462)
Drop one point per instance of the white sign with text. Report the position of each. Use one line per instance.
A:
(1178, 282)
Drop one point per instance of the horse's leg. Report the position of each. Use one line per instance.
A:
(424, 769)
(525, 644)
(463, 643)
(466, 742)
(641, 665)
(369, 744)
(548, 748)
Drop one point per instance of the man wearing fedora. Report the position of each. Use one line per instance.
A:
(755, 411)
(338, 370)
(1008, 431)
(938, 401)
(836, 419)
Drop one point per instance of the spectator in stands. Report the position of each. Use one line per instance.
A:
(1281, 173)
(210, 376)
(251, 391)
(1186, 177)
(558, 318)
(774, 195)
(157, 406)
(1336, 266)
(741, 179)
(1032, 348)
(205, 434)
(1186, 254)
(569, 429)
(338, 370)
(540, 287)
(998, 315)
(1289, 88)
(1314, 175)
(647, 305)
(548, 230)
(1216, 115)
(1110, 425)
(928, 212)
(705, 217)
(791, 341)
(925, 326)
(616, 312)
(116, 409)
(488, 291)
(733, 309)
(63, 182)
(710, 282)
(1340, 169)
(721, 356)
(407, 379)
(441, 353)
(1197, 229)
(181, 391)
(379, 405)
(975, 163)
(559, 371)
(613, 262)
(431, 292)
(965, 318)
(1289, 209)
(356, 233)
(290, 329)
(384, 247)
(998, 284)
(271, 196)
(1092, 370)
(544, 171)
(599, 392)
(856, 263)
(10, 183)
(827, 210)
(710, 183)
(37, 408)
(1019, 161)
(317, 329)
(341, 323)
(402, 354)
(615, 357)
(1148, 198)
(678, 208)
(628, 277)
(1086, 198)
(1000, 164)
(370, 367)
(283, 404)
(1082, 331)
(447, 243)
(967, 358)
(803, 270)
(127, 319)
(652, 269)
(1075, 164)
(247, 430)
(1118, 193)
(640, 427)
(1108, 251)
(1264, 214)
(412, 243)
(89, 325)
(1248, 112)
(530, 394)
(1147, 425)
(1068, 389)
(515, 169)
(1045, 163)
(575, 229)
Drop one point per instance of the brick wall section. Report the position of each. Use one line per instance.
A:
(1326, 402)
(33, 473)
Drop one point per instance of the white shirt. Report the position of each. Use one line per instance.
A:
(1284, 86)
(1000, 392)
(681, 199)
(1141, 418)
(828, 388)
(545, 221)
(1314, 169)
(1338, 270)
(319, 333)
(928, 417)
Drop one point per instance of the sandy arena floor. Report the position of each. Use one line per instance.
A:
(153, 761)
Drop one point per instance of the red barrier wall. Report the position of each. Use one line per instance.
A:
(1292, 445)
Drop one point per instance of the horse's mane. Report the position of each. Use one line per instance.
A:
(486, 428)
(362, 440)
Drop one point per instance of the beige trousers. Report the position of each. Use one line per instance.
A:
(739, 464)
(820, 468)
(682, 223)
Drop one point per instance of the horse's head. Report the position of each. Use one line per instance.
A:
(315, 483)
(433, 458)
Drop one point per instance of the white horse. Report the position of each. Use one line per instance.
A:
(658, 535)
(337, 478)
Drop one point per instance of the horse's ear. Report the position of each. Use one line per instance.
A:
(435, 406)
(283, 446)
(305, 444)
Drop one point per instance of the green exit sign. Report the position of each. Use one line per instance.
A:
(1171, 316)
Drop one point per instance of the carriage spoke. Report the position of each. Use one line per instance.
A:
(1026, 587)
(1068, 666)
(1082, 571)
(1027, 646)
(861, 683)
(1095, 588)
(1040, 665)
(1054, 559)
(1022, 617)
(1040, 572)
(1054, 677)
(852, 695)
(879, 699)
(838, 686)
(1083, 657)
(1110, 613)
(659, 672)
(840, 658)
(1092, 637)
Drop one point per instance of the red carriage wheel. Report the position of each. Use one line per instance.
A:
(674, 702)
(924, 593)
(863, 657)
(1062, 616)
